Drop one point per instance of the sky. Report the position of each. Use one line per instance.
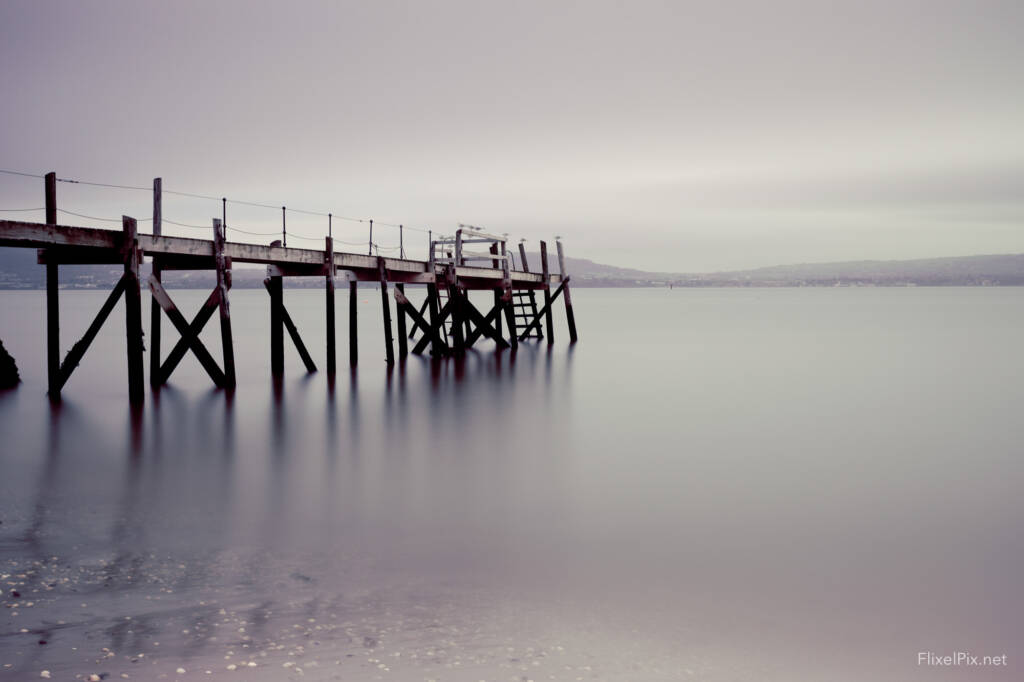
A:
(670, 136)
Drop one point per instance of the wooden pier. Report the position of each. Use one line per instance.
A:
(447, 321)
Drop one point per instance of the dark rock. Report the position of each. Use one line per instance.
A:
(15, 594)
(9, 377)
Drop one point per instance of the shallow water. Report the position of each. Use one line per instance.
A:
(793, 484)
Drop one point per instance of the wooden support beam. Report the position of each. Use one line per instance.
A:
(189, 333)
(433, 335)
(187, 340)
(275, 286)
(569, 315)
(52, 299)
(154, 308)
(403, 339)
(458, 321)
(74, 355)
(483, 324)
(506, 298)
(546, 310)
(430, 331)
(223, 284)
(353, 333)
(422, 312)
(389, 345)
(497, 292)
(293, 332)
(133, 312)
(329, 281)
(549, 323)
(437, 347)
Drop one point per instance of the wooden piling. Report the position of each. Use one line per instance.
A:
(455, 301)
(275, 285)
(403, 338)
(569, 316)
(52, 298)
(223, 265)
(432, 299)
(353, 334)
(389, 345)
(549, 323)
(154, 308)
(133, 311)
(498, 292)
(329, 273)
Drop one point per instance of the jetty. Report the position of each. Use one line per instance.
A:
(447, 322)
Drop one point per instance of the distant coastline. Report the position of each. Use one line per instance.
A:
(19, 270)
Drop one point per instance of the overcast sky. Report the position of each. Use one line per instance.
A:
(670, 136)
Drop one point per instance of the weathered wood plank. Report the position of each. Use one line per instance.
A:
(185, 342)
(570, 316)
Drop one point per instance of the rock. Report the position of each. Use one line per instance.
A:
(45, 674)
(9, 377)
(180, 671)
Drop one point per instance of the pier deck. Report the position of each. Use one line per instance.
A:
(447, 321)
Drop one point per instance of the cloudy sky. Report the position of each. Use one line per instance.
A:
(667, 135)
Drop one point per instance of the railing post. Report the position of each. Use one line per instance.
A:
(52, 298)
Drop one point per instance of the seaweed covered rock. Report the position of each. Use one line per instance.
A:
(8, 369)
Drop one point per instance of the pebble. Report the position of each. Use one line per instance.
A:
(232, 666)
(45, 674)
(180, 671)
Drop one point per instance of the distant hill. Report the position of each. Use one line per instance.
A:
(18, 270)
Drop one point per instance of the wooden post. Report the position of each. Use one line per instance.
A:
(329, 261)
(403, 337)
(133, 311)
(568, 299)
(522, 257)
(547, 292)
(458, 247)
(223, 265)
(506, 298)
(52, 300)
(455, 301)
(154, 312)
(497, 292)
(275, 285)
(432, 299)
(389, 346)
(353, 335)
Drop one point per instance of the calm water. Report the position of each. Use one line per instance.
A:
(712, 485)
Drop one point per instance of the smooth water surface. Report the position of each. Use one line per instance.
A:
(792, 484)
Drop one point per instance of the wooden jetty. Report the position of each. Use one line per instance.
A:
(447, 321)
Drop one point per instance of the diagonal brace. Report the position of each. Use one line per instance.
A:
(189, 333)
(74, 355)
(293, 332)
(543, 310)
(434, 330)
(418, 322)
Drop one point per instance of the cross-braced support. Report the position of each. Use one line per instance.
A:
(59, 372)
(189, 331)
